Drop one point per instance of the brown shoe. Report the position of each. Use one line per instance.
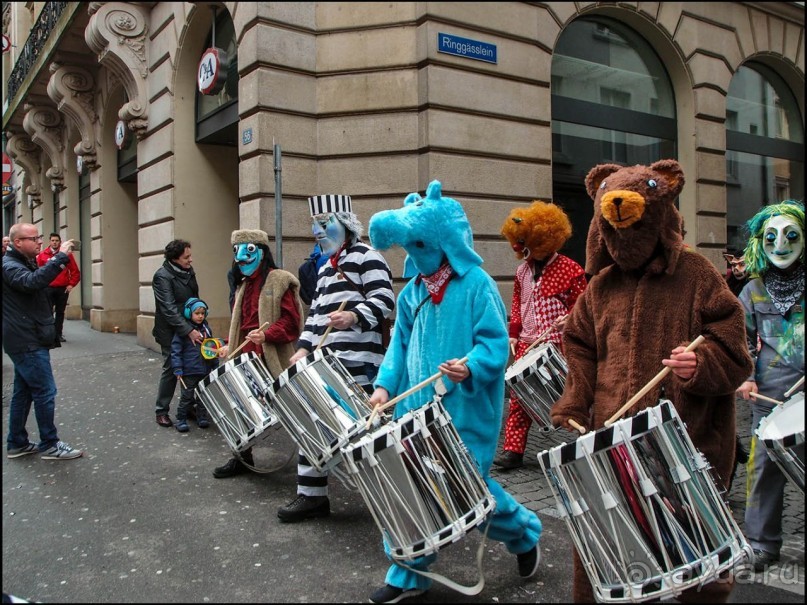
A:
(509, 460)
(164, 420)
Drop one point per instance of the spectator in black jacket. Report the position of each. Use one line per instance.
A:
(28, 335)
(173, 284)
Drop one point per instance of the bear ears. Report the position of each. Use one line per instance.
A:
(668, 170)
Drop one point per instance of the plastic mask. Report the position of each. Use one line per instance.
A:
(783, 241)
(329, 232)
(248, 256)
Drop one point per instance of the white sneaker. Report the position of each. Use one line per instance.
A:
(61, 451)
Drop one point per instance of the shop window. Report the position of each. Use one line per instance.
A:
(217, 114)
(612, 101)
(764, 146)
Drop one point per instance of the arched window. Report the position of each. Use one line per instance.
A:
(612, 102)
(217, 115)
(764, 146)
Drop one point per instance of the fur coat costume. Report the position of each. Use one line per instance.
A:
(649, 295)
(469, 320)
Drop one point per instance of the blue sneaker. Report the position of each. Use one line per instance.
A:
(181, 426)
(16, 452)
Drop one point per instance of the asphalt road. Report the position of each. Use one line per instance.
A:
(140, 517)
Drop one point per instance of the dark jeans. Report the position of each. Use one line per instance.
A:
(33, 383)
(168, 383)
(57, 297)
(188, 398)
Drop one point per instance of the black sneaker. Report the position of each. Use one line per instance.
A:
(304, 507)
(528, 562)
(392, 594)
(233, 467)
(509, 460)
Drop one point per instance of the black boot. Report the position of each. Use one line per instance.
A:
(234, 466)
(509, 460)
(202, 420)
(304, 507)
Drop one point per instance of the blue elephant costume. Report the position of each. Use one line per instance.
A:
(449, 309)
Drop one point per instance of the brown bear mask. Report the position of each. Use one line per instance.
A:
(635, 221)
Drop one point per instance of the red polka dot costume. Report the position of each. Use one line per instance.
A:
(537, 303)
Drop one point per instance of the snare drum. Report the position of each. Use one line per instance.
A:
(643, 510)
(537, 380)
(321, 406)
(233, 394)
(783, 433)
(419, 481)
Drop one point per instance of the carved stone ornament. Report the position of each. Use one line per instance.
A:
(117, 33)
(26, 154)
(44, 125)
(72, 89)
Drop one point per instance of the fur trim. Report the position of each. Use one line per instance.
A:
(249, 236)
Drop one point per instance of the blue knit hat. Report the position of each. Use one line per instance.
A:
(191, 305)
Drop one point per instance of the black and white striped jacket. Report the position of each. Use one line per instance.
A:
(361, 343)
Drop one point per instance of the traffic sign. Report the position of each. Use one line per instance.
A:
(6, 44)
(7, 188)
(8, 168)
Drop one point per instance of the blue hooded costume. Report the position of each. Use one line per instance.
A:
(471, 321)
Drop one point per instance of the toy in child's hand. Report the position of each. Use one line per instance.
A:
(211, 346)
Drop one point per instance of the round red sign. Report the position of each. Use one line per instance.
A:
(8, 168)
(212, 73)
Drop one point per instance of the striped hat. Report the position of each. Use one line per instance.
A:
(321, 204)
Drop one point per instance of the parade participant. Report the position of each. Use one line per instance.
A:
(357, 274)
(647, 299)
(190, 366)
(28, 336)
(736, 273)
(774, 317)
(263, 294)
(451, 308)
(546, 287)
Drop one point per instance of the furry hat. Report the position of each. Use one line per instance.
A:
(537, 231)
(634, 215)
(431, 229)
(249, 236)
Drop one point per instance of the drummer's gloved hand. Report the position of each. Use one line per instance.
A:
(178, 372)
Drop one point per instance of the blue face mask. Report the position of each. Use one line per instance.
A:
(329, 233)
(248, 256)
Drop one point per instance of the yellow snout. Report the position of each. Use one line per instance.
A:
(622, 208)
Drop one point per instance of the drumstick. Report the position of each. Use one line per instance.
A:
(764, 398)
(655, 380)
(574, 424)
(246, 340)
(542, 335)
(792, 389)
(328, 331)
(378, 409)
(182, 382)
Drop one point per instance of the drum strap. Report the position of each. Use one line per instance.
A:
(466, 590)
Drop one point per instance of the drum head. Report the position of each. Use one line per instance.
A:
(274, 450)
(785, 420)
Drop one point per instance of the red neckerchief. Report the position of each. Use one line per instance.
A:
(336, 254)
(437, 282)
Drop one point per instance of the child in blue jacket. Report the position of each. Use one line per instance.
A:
(190, 366)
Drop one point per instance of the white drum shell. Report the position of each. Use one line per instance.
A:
(234, 396)
(537, 379)
(419, 481)
(782, 431)
(642, 508)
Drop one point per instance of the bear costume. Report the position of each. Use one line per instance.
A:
(648, 295)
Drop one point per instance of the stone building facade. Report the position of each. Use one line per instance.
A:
(503, 102)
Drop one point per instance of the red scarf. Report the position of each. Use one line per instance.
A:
(336, 254)
(437, 282)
